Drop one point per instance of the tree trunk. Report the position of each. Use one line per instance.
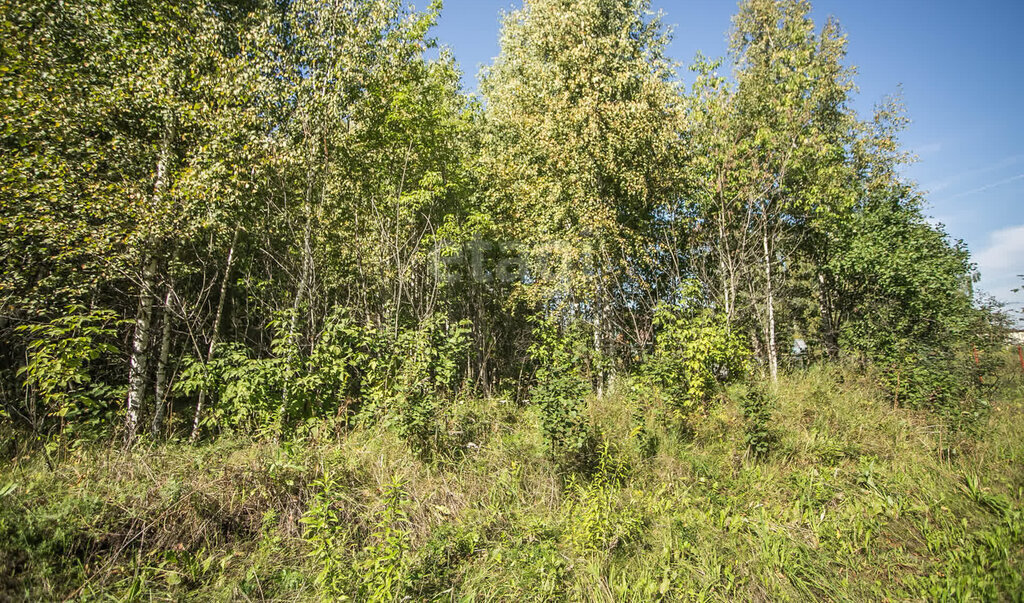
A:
(216, 331)
(829, 328)
(161, 367)
(139, 360)
(293, 327)
(773, 351)
(725, 261)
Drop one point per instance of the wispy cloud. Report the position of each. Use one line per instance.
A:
(967, 175)
(928, 149)
(989, 186)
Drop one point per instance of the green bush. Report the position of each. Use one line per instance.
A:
(426, 363)
(350, 369)
(758, 434)
(694, 352)
(560, 394)
(59, 376)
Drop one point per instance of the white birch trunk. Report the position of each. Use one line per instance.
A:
(139, 360)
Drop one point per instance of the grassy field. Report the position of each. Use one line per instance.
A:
(849, 498)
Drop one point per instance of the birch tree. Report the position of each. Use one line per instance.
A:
(792, 125)
(580, 126)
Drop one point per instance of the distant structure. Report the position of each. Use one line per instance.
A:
(1016, 338)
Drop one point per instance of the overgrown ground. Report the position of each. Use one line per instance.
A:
(853, 500)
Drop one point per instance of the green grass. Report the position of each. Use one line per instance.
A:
(854, 500)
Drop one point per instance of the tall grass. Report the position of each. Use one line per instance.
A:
(844, 498)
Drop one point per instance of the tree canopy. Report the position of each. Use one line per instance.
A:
(245, 214)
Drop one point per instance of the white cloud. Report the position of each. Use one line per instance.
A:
(1005, 250)
(1001, 261)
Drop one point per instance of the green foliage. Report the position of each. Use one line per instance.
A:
(694, 352)
(324, 533)
(600, 516)
(560, 394)
(383, 568)
(758, 433)
(248, 393)
(350, 368)
(908, 305)
(243, 389)
(426, 366)
(57, 374)
(378, 572)
(578, 150)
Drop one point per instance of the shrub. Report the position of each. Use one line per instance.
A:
(426, 365)
(57, 375)
(694, 352)
(560, 394)
(757, 435)
(600, 517)
(383, 566)
(401, 377)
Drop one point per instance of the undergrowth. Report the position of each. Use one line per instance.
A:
(816, 489)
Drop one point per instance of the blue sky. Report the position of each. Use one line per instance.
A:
(961, 68)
